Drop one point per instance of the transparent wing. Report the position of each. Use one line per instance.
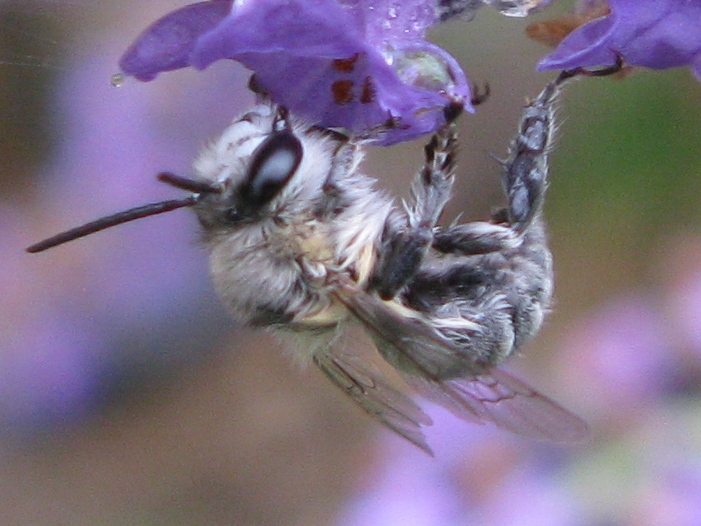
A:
(416, 342)
(481, 395)
(372, 392)
(499, 397)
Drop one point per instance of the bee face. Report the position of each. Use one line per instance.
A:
(263, 166)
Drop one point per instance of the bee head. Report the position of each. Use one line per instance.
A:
(252, 164)
(265, 166)
(269, 166)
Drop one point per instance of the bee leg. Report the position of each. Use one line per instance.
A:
(406, 239)
(526, 169)
(524, 177)
(478, 237)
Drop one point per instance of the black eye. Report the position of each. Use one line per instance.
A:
(272, 165)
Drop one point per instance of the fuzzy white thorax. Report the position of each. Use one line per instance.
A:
(285, 261)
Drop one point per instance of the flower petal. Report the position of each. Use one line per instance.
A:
(657, 34)
(167, 44)
(356, 64)
(392, 20)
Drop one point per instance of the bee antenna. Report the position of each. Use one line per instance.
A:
(183, 183)
(119, 218)
(197, 187)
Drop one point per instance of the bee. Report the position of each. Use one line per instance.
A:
(302, 243)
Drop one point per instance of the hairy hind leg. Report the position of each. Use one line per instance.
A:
(409, 236)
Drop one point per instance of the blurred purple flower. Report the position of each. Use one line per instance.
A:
(619, 361)
(656, 34)
(671, 495)
(480, 475)
(362, 65)
(83, 323)
(50, 371)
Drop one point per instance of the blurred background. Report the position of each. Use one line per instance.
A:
(127, 395)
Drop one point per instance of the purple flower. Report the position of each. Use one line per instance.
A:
(657, 34)
(357, 64)
(480, 475)
(85, 323)
(621, 363)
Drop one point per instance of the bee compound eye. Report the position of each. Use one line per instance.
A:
(272, 165)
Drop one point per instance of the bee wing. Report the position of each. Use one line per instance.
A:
(372, 392)
(411, 338)
(499, 397)
(482, 395)
(416, 342)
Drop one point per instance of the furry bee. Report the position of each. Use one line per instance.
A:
(301, 242)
